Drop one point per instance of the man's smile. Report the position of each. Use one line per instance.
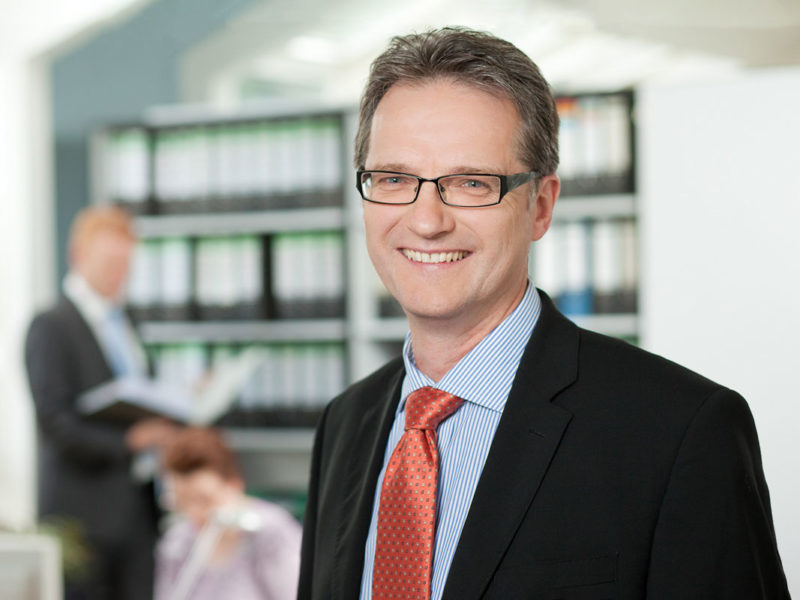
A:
(434, 257)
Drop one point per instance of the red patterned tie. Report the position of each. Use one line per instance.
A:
(407, 511)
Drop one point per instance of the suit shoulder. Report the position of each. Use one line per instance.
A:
(46, 323)
(613, 358)
(631, 394)
(58, 315)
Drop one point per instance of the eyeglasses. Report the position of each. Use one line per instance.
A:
(468, 190)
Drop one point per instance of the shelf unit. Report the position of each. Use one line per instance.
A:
(588, 261)
(368, 327)
(264, 222)
(217, 193)
(601, 206)
(587, 210)
(274, 459)
(310, 330)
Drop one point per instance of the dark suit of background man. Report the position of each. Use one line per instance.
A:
(578, 466)
(85, 469)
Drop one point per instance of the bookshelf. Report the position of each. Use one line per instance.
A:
(243, 235)
(251, 235)
(588, 261)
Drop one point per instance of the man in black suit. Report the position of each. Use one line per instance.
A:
(85, 465)
(576, 465)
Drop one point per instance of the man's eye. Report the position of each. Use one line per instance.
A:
(392, 180)
(469, 183)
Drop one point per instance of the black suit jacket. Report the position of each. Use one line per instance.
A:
(613, 474)
(84, 465)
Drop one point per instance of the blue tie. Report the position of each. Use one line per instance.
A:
(118, 345)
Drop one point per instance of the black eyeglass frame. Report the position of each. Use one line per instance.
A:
(507, 184)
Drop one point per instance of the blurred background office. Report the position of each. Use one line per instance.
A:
(226, 126)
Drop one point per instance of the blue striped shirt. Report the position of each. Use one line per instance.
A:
(483, 378)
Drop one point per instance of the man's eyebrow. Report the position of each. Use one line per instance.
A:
(396, 167)
(475, 170)
(401, 168)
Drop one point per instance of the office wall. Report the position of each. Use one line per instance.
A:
(115, 76)
(720, 213)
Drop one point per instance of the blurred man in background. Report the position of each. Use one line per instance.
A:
(85, 464)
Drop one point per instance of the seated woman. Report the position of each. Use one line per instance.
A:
(224, 544)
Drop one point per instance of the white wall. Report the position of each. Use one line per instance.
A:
(28, 31)
(720, 240)
(24, 268)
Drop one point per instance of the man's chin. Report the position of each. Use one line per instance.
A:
(421, 311)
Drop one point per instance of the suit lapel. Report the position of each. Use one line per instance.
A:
(90, 349)
(374, 428)
(526, 440)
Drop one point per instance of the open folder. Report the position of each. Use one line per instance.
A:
(130, 399)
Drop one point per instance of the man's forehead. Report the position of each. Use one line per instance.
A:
(466, 129)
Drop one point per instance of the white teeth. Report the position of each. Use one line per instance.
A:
(434, 258)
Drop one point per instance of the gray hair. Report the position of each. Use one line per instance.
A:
(477, 59)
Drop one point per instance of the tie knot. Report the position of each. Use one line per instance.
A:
(427, 407)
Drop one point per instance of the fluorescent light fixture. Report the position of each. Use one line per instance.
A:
(314, 49)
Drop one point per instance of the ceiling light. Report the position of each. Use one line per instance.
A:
(312, 49)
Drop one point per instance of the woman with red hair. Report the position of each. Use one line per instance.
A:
(225, 544)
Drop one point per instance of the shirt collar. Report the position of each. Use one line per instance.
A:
(92, 305)
(485, 374)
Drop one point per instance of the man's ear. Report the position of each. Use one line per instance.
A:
(543, 205)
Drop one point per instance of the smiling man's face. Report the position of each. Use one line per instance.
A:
(444, 262)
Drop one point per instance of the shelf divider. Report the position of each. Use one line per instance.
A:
(307, 330)
(207, 224)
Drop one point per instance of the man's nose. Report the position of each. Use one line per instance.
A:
(429, 216)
